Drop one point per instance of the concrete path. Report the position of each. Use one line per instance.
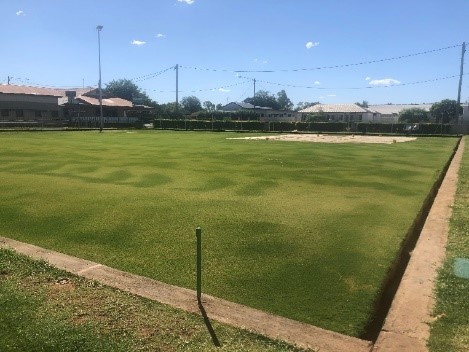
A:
(405, 328)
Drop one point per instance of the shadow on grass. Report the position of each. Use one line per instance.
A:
(208, 324)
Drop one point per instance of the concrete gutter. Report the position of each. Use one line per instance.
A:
(406, 327)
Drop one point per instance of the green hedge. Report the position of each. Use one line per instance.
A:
(231, 125)
(318, 127)
(421, 128)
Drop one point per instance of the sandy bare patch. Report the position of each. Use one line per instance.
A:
(326, 138)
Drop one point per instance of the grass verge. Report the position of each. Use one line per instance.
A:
(450, 329)
(46, 309)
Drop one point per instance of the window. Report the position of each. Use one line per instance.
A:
(37, 114)
(19, 113)
(5, 112)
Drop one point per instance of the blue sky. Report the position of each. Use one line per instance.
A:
(55, 43)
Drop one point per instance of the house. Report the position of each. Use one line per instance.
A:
(465, 114)
(23, 103)
(264, 113)
(389, 113)
(85, 103)
(339, 112)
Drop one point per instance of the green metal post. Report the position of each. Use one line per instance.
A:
(198, 234)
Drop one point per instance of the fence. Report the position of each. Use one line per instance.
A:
(317, 127)
(243, 126)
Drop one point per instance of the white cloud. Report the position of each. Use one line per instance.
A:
(137, 42)
(20, 13)
(327, 96)
(188, 2)
(384, 82)
(223, 90)
(310, 45)
(367, 78)
(256, 60)
(160, 35)
(317, 82)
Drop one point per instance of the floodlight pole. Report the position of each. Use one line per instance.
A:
(101, 119)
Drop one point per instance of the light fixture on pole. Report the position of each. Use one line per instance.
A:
(101, 121)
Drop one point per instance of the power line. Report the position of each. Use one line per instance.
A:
(201, 90)
(324, 67)
(151, 75)
(357, 88)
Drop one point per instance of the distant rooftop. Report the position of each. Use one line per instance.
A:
(113, 102)
(27, 90)
(334, 108)
(395, 109)
(247, 105)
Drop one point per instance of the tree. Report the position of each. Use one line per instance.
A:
(170, 107)
(318, 116)
(128, 90)
(413, 115)
(303, 105)
(219, 106)
(284, 102)
(264, 99)
(191, 104)
(363, 104)
(446, 110)
(209, 106)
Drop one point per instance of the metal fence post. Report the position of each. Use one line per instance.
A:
(198, 234)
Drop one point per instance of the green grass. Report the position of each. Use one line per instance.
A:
(303, 230)
(45, 309)
(450, 330)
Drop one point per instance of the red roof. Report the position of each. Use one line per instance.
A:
(13, 89)
(117, 102)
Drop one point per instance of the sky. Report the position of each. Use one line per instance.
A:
(331, 51)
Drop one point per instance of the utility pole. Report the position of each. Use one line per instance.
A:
(177, 86)
(460, 78)
(254, 96)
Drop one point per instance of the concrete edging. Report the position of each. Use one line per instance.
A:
(272, 326)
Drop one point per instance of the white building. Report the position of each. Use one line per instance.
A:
(389, 113)
(339, 112)
(264, 113)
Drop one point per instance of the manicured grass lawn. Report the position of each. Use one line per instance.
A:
(45, 309)
(303, 230)
(450, 330)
